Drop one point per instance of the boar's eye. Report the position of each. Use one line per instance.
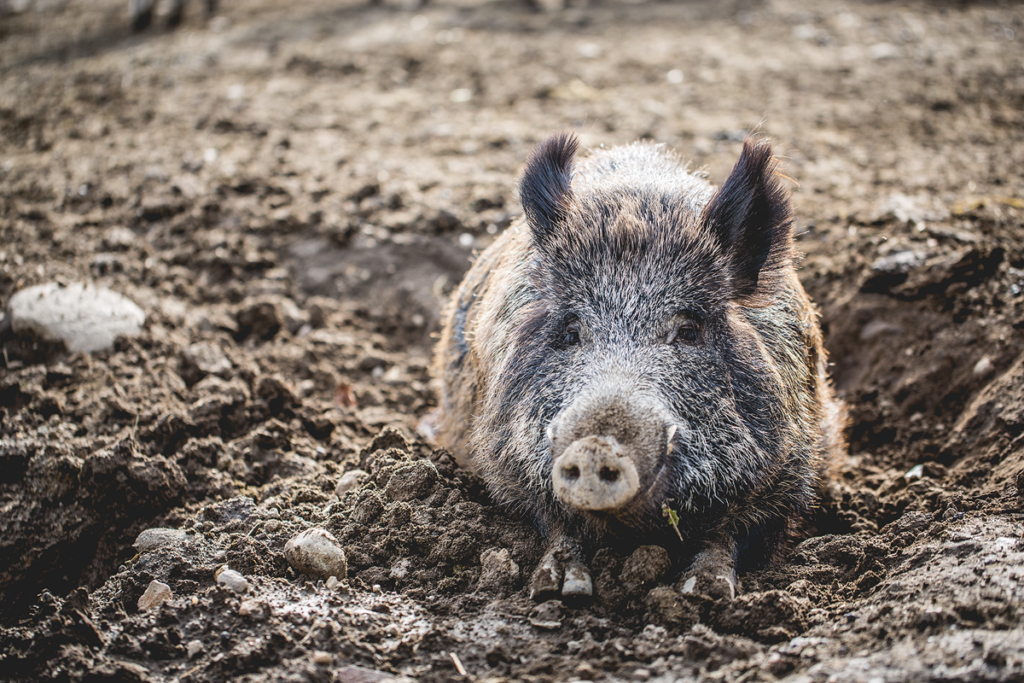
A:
(686, 331)
(571, 334)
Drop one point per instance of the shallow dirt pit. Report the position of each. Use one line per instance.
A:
(290, 191)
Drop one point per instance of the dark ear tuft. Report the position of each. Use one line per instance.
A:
(544, 187)
(752, 219)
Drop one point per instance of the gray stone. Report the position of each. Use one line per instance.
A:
(157, 537)
(316, 552)
(202, 359)
(232, 580)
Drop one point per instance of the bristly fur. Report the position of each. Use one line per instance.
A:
(545, 186)
(752, 219)
(621, 247)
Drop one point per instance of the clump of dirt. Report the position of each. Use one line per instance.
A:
(290, 192)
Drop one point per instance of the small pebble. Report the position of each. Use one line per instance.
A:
(332, 582)
(193, 648)
(316, 552)
(205, 358)
(231, 580)
(898, 262)
(156, 594)
(915, 472)
(252, 608)
(983, 367)
(350, 480)
(322, 658)
(881, 51)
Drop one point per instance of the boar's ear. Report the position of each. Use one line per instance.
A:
(544, 187)
(752, 219)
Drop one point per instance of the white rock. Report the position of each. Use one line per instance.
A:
(231, 580)
(315, 551)
(898, 261)
(881, 51)
(84, 317)
(193, 648)
(983, 367)
(119, 237)
(350, 480)
(158, 537)
(156, 594)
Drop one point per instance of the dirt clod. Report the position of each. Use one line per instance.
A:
(648, 565)
(499, 573)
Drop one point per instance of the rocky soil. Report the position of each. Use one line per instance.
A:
(289, 191)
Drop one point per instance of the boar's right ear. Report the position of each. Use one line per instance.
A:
(544, 187)
(752, 219)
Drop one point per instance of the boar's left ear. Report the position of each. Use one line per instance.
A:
(752, 219)
(544, 188)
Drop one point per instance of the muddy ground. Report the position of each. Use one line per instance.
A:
(291, 190)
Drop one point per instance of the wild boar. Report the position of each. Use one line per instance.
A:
(638, 343)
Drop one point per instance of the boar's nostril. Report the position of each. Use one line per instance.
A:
(571, 473)
(608, 474)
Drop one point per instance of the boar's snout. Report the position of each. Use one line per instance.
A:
(594, 474)
(606, 448)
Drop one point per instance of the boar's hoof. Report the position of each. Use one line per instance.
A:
(712, 573)
(577, 582)
(560, 573)
(592, 474)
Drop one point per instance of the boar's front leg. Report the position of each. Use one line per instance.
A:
(561, 571)
(712, 572)
(751, 543)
